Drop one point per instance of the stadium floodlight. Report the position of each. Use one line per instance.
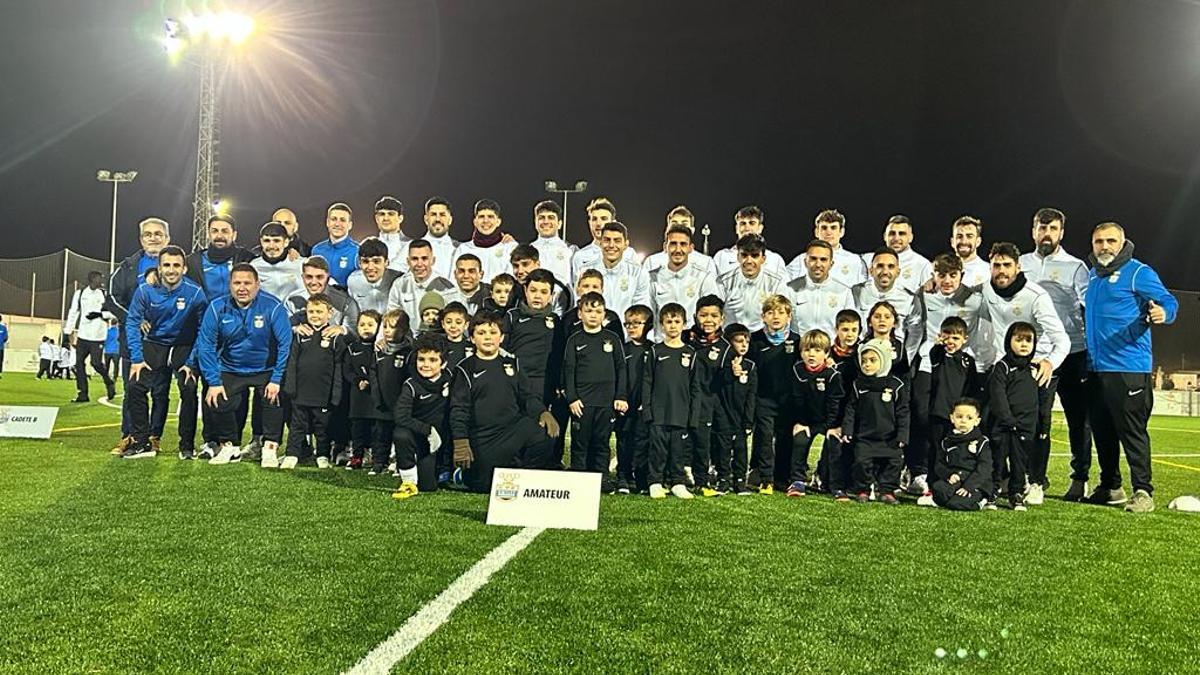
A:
(116, 178)
(206, 37)
(552, 186)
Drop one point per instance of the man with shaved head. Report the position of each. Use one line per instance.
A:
(287, 217)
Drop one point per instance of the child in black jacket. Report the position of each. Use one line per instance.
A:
(593, 372)
(953, 376)
(422, 418)
(734, 417)
(669, 391)
(1013, 407)
(773, 348)
(962, 470)
(393, 365)
(367, 421)
(633, 434)
(816, 402)
(312, 384)
(876, 423)
(834, 469)
(712, 353)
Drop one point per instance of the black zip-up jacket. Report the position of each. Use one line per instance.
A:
(594, 368)
(121, 286)
(195, 267)
(393, 365)
(338, 297)
(1013, 396)
(487, 395)
(877, 412)
(847, 366)
(711, 359)
(635, 373)
(314, 370)
(952, 377)
(457, 351)
(816, 399)
(536, 337)
(425, 404)
(574, 323)
(774, 364)
(359, 366)
(738, 398)
(969, 456)
(670, 387)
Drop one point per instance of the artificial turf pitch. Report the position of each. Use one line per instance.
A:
(117, 566)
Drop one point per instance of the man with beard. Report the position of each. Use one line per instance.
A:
(679, 216)
(408, 290)
(748, 220)
(554, 254)
(965, 237)
(372, 283)
(848, 268)
(883, 286)
(1011, 297)
(339, 250)
(625, 282)
(210, 266)
(487, 241)
(684, 278)
(914, 267)
(1065, 278)
(600, 211)
(1124, 299)
(437, 227)
(286, 217)
(153, 234)
(816, 298)
(746, 286)
(468, 288)
(87, 326)
(389, 216)
(278, 271)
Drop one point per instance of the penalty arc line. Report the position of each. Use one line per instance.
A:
(436, 612)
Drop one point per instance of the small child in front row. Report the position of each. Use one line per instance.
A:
(393, 356)
(593, 373)
(876, 423)
(835, 466)
(953, 377)
(733, 420)
(962, 470)
(633, 436)
(312, 384)
(455, 318)
(816, 403)
(1013, 408)
(502, 297)
(773, 348)
(421, 416)
(359, 369)
(668, 391)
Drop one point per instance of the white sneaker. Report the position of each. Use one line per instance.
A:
(323, 462)
(1036, 496)
(926, 500)
(342, 457)
(680, 490)
(228, 453)
(657, 491)
(270, 456)
(918, 485)
(289, 462)
(207, 451)
(688, 476)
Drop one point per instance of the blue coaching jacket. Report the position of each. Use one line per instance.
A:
(174, 316)
(342, 258)
(244, 340)
(1115, 310)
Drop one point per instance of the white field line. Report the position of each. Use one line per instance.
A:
(1155, 455)
(436, 612)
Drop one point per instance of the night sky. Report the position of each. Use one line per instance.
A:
(932, 109)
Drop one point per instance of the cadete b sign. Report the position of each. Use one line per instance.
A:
(24, 421)
(533, 498)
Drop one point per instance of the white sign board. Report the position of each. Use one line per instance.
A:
(24, 421)
(534, 498)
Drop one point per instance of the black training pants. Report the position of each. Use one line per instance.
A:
(946, 496)
(919, 451)
(1073, 392)
(801, 445)
(1010, 459)
(164, 363)
(836, 465)
(224, 415)
(879, 463)
(89, 350)
(414, 451)
(633, 450)
(308, 420)
(1120, 410)
(590, 434)
(668, 450)
(522, 444)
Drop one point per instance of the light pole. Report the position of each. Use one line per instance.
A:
(116, 178)
(552, 186)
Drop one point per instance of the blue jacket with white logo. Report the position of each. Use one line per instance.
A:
(342, 258)
(173, 314)
(1115, 310)
(244, 340)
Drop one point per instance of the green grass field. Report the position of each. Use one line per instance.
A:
(119, 566)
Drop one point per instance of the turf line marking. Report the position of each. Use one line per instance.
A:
(437, 611)
(1186, 455)
(107, 425)
(1177, 466)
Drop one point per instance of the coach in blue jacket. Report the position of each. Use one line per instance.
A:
(244, 342)
(1124, 298)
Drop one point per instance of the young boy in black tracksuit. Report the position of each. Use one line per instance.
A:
(774, 349)
(712, 352)
(962, 469)
(496, 419)
(633, 435)
(454, 322)
(953, 377)
(591, 281)
(312, 383)
(594, 381)
(535, 335)
(835, 466)
(1013, 409)
(422, 419)
(876, 423)
(367, 421)
(734, 418)
(504, 294)
(815, 403)
(669, 391)
(393, 365)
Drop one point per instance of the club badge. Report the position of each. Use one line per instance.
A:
(691, 291)
(832, 302)
(342, 263)
(845, 269)
(625, 284)
(973, 447)
(509, 370)
(820, 385)
(608, 347)
(744, 378)
(180, 303)
(685, 360)
(550, 322)
(1054, 276)
(1016, 310)
(789, 348)
(324, 343)
(887, 395)
(714, 354)
(562, 256)
(907, 274)
(446, 390)
(259, 322)
(398, 362)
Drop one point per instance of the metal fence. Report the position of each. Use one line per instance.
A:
(42, 286)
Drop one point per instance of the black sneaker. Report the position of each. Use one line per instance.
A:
(187, 453)
(743, 488)
(1017, 502)
(111, 393)
(724, 486)
(139, 450)
(1105, 497)
(623, 486)
(80, 399)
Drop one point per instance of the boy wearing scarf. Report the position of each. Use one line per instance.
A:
(712, 352)
(773, 348)
(816, 406)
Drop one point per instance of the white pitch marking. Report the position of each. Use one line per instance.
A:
(430, 617)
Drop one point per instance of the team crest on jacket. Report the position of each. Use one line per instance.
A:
(887, 395)
(973, 447)
(908, 273)
(788, 347)
(832, 302)
(608, 345)
(714, 354)
(625, 284)
(499, 253)
(342, 263)
(259, 322)
(691, 291)
(509, 370)
(550, 322)
(685, 360)
(446, 390)
(325, 343)
(846, 269)
(1016, 310)
(180, 303)
(744, 378)
(820, 385)
(398, 362)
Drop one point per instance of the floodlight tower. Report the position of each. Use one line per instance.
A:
(116, 178)
(205, 37)
(552, 186)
